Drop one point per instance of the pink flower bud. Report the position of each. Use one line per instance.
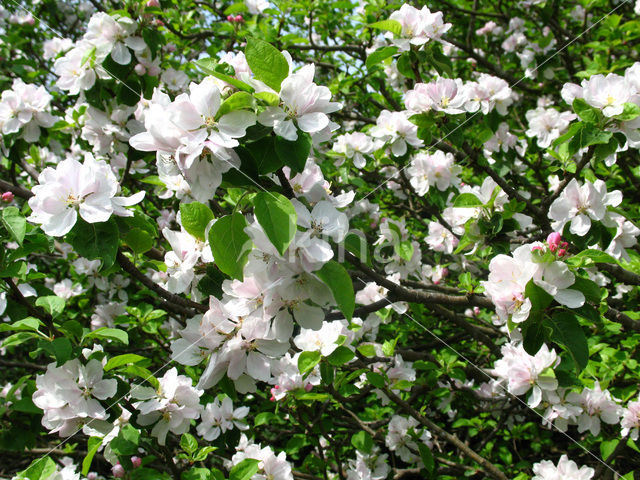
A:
(553, 247)
(554, 239)
(92, 476)
(445, 272)
(7, 197)
(562, 252)
(564, 245)
(231, 18)
(239, 19)
(140, 69)
(158, 22)
(537, 248)
(136, 461)
(153, 3)
(476, 311)
(117, 471)
(308, 387)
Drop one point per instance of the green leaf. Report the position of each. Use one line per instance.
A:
(52, 304)
(126, 443)
(392, 26)
(196, 473)
(15, 223)
(367, 349)
(195, 217)
(427, 457)
(294, 154)
(237, 101)
(589, 288)
(467, 200)
(356, 243)
(307, 361)
(336, 277)
(588, 257)
(629, 112)
(588, 135)
(96, 240)
(389, 346)
(18, 339)
(379, 55)
(340, 356)
(404, 250)
(362, 441)
(92, 447)
(29, 324)
(110, 334)
(138, 240)
(246, 469)
(263, 418)
(533, 333)
(230, 244)
(61, 349)
(266, 62)
(277, 216)
(586, 112)
(203, 453)
(120, 360)
(207, 65)
(40, 469)
(188, 443)
(607, 447)
(269, 98)
(376, 379)
(438, 60)
(537, 296)
(568, 333)
(144, 473)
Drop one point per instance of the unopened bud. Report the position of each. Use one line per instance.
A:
(92, 476)
(562, 252)
(153, 3)
(308, 387)
(239, 19)
(231, 18)
(117, 471)
(7, 197)
(140, 69)
(554, 239)
(136, 461)
(553, 247)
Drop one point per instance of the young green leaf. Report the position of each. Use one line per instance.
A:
(195, 217)
(230, 244)
(266, 62)
(277, 216)
(568, 333)
(392, 26)
(307, 361)
(294, 154)
(96, 240)
(246, 469)
(15, 223)
(336, 277)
